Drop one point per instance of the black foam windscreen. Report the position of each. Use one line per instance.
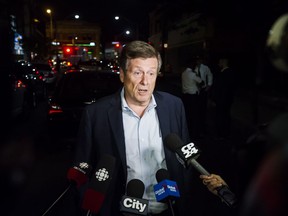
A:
(135, 188)
(162, 174)
(172, 142)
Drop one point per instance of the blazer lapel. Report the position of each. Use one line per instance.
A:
(164, 120)
(116, 123)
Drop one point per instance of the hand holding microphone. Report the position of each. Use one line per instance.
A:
(187, 155)
(213, 182)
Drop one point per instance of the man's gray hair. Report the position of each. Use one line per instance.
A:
(138, 49)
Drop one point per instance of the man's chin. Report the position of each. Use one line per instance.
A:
(144, 98)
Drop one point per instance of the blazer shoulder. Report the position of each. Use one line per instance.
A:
(166, 97)
(104, 103)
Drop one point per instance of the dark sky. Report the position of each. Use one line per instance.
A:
(135, 12)
(102, 10)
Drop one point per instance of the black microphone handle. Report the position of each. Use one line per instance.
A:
(171, 207)
(227, 196)
(61, 195)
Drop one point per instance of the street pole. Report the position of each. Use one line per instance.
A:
(51, 23)
(51, 27)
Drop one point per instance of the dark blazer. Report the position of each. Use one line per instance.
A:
(101, 132)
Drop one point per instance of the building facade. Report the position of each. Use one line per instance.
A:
(82, 39)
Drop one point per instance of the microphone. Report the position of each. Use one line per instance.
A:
(77, 176)
(166, 190)
(187, 155)
(132, 203)
(99, 184)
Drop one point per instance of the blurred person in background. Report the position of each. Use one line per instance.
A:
(267, 192)
(224, 88)
(191, 84)
(206, 75)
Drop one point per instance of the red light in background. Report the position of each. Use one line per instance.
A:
(54, 109)
(67, 50)
(20, 84)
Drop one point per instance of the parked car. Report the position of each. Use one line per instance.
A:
(34, 78)
(27, 87)
(92, 65)
(73, 91)
(48, 72)
(18, 101)
(114, 67)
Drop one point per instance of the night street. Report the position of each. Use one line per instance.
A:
(34, 166)
(60, 56)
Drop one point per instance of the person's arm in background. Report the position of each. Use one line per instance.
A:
(209, 77)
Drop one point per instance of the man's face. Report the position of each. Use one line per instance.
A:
(139, 80)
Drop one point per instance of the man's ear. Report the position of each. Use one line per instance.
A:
(122, 75)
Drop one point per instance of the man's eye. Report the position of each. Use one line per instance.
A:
(137, 73)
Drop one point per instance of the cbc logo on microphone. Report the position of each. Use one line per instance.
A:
(189, 150)
(102, 174)
(83, 165)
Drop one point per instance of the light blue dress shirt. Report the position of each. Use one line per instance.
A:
(144, 149)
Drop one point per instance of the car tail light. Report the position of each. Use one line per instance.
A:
(19, 84)
(54, 108)
(41, 77)
(54, 70)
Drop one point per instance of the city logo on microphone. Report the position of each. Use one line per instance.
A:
(134, 205)
(102, 174)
